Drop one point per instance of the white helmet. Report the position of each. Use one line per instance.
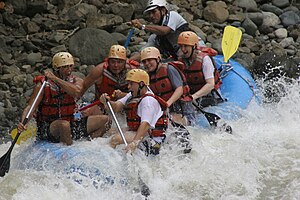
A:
(153, 4)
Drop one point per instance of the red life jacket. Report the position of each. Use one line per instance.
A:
(56, 103)
(194, 73)
(134, 121)
(161, 85)
(110, 82)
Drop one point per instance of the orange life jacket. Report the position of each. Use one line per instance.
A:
(56, 103)
(161, 85)
(134, 121)
(194, 73)
(110, 82)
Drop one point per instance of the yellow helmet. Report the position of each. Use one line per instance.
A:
(150, 52)
(117, 51)
(62, 59)
(188, 38)
(138, 75)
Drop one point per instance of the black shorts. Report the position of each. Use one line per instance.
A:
(78, 130)
(185, 108)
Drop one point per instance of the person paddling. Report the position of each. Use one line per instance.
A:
(145, 112)
(109, 77)
(201, 74)
(167, 81)
(56, 105)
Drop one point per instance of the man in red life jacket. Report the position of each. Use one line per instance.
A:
(109, 76)
(146, 119)
(168, 82)
(202, 76)
(56, 105)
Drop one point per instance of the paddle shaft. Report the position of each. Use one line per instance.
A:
(129, 38)
(116, 121)
(5, 159)
(211, 118)
(130, 32)
(144, 188)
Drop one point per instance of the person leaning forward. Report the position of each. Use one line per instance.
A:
(56, 105)
(109, 77)
(146, 118)
(166, 27)
(202, 76)
(168, 82)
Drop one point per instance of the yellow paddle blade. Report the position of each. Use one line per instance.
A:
(230, 41)
(25, 135)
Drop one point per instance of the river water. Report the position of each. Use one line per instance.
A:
(260, 160)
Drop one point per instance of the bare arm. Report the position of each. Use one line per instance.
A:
(72, 89)
(140, 134)
(21, 126)
(156, 29)
(175, 96)
(94, 76)
(117, 106)
(142, 131)
(206, 89)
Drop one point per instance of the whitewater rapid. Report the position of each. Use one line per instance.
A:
(261, 160)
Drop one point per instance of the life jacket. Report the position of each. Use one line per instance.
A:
(110, 82)
(168, 43)
(194, 73)
(56, 103)
(134, 121)
(161, 85)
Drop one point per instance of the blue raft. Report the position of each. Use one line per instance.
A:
(238, 88)
(81, 162)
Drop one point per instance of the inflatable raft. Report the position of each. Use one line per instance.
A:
(238, 89)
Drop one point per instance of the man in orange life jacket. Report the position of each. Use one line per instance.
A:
(109, 76)
(202, 76)
(145, 113)
(56, 105)
(168, 82)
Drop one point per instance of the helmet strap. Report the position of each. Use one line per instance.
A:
(141, 86)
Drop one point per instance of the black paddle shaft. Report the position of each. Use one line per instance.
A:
(211, 117)
(5, 159)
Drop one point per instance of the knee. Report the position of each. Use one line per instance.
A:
(114, 141)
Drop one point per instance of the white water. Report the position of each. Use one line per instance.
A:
(261, 160)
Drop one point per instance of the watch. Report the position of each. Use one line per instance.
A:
(143, 27)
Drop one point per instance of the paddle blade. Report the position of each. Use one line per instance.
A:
(4, 164)
(230, 41)
(25, 135)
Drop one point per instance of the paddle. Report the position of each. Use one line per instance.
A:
(28, 133)
(213, 119)
(5, 159)
(145, 191)
(230, 41)
(130, 33)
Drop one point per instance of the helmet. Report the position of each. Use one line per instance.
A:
(150, 52)
(138, 75)
(188, 38)
(152, 4)
(62, 59)
(117, 51)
